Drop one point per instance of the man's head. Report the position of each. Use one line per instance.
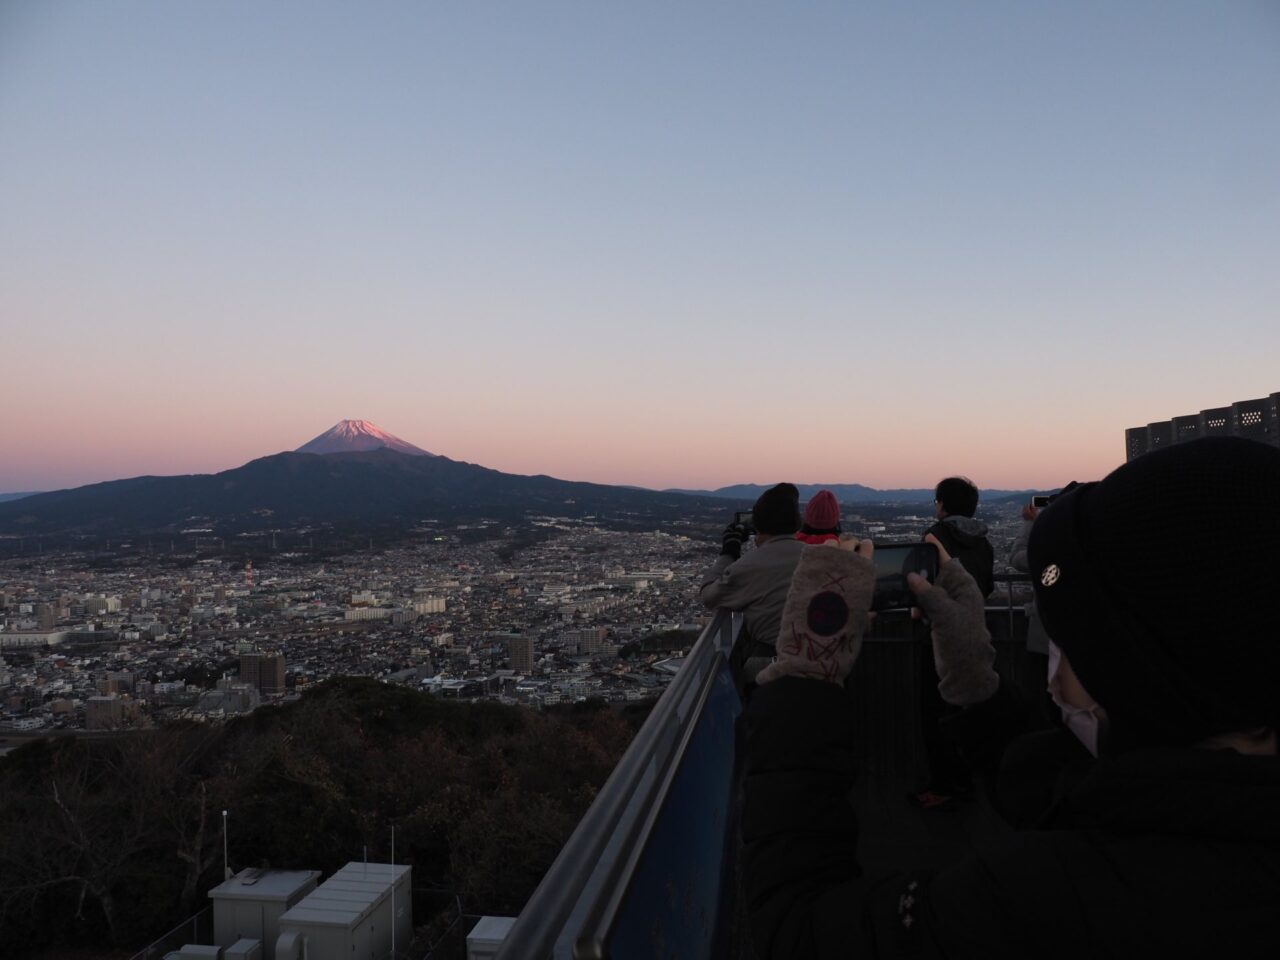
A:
(955, 497)
(1158, 582)
(777, 511)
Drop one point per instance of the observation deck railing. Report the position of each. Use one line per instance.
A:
(651, 870)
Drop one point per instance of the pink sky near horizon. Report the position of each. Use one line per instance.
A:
(848, 243)
(876, 454)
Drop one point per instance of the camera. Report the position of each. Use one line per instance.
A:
(1040, 502)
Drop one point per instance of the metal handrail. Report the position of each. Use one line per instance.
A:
(1009, 579)
(548, 924)
(580, 893)
(188, 931)
(605, 911)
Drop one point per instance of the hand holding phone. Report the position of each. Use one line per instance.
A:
(893, 562)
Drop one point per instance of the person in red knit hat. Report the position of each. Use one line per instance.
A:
(821, 519)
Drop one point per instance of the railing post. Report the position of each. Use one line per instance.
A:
(1009, 592)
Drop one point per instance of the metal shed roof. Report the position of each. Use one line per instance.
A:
(273, 885)
(348, 896)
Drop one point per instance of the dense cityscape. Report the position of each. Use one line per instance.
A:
(552, 611)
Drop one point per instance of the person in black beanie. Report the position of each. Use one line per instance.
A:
(1154, 585)
(756, 583)
(1152, 813)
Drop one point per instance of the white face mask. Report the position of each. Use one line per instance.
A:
(1082, 714)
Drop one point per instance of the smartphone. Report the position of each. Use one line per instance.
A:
(1040, 502)
(746, 518)
(893, 562)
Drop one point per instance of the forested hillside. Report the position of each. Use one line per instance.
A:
(113, 841)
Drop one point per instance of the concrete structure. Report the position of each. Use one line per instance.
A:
(1254, 419)
(104, 713)
(366, 613)
(32, 638)
(357, 914)
(486, 937)
(263, 671)
(196, 951)
(244, 950)
(429, 604)
(249, 905)
(520, 652)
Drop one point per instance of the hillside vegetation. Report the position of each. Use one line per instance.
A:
(113, 841)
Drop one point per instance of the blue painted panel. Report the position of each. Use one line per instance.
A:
(678, 895)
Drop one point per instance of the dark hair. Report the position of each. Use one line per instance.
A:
(958, 496)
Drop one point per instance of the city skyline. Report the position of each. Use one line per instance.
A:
(653, 246)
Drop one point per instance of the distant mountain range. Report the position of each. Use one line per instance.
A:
(356, 473)
(374, 486)
(846, 493)
(16, 496)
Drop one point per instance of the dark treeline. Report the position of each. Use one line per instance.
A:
(113, 841)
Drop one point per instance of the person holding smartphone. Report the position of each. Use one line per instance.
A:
(965, 539)
(1149, 817)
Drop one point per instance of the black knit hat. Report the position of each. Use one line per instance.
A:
(1158, 584)
(777, 511)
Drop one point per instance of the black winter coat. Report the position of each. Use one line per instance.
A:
(1167, 853)
(966, 540)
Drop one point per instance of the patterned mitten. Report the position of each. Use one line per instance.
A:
(962, 649)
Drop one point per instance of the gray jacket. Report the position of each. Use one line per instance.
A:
(756, 584)
(1037, 637)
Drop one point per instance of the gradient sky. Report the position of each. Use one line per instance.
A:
(663, 244)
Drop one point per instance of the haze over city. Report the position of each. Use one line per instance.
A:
(633, 244)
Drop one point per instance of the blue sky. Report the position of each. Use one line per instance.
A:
(668, 244)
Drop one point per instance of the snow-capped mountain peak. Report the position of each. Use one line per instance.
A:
(350, 436)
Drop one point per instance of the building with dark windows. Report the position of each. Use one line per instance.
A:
(263, 671)
(520, 650)
(1255, 419)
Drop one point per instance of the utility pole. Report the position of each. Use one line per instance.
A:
(226, 864)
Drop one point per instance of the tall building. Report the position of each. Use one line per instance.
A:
(104, 713)
(520, 650)
(1255, 419)
(263, 671)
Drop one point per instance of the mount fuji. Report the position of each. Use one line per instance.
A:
(354, 476)
(357, 436)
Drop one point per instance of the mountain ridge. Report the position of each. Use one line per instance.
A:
(381, 485)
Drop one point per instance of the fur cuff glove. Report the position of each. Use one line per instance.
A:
(962, 650)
